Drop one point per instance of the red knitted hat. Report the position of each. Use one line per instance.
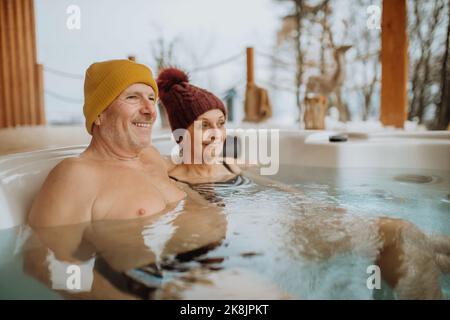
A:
(183, 101)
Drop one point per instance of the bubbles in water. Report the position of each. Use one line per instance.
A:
(416, 178)
(446, 199)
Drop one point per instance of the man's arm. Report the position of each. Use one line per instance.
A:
(63, 242)
(66, 196)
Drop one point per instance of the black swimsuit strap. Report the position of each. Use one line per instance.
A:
(227, 166)
(182, 181)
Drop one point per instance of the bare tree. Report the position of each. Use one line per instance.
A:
(368, 53)
(426, 20)
(429, 53)
(442, 117)
(294, 30)
(299, 15)
(162, 52)
(163, 56)
(327, 84)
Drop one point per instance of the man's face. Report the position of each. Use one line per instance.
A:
(129, 119)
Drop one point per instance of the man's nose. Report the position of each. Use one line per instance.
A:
(148, 107)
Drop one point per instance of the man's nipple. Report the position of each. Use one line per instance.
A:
(141, 211)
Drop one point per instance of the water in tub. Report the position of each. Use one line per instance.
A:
(255, 242)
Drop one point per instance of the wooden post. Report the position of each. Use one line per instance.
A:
(257, 106)
(250, 67)
(5, 88)
(315, 111)
(24, 101)
(21, 89)
(30, 58)
(13, 77)
(394, 63)
(40, 109)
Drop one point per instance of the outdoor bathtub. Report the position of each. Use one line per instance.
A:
(22, 174)
(402, 175)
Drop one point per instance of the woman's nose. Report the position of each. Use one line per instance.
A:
(214, 135)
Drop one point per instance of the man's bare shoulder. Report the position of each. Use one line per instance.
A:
(73, 165)
(68, 190)
(152, 155)
(71, 171)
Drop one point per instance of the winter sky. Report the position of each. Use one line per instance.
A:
(207, 31)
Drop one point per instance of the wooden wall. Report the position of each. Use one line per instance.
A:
(21, 78)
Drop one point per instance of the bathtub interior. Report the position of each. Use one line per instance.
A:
(307, 160)
(21, 177)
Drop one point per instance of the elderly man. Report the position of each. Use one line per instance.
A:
(111, 179)
(114, 179)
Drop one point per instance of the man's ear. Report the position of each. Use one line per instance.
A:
(98, 120)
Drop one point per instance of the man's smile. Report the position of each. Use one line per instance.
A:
(145, 125)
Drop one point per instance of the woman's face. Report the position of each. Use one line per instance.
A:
(208, 133)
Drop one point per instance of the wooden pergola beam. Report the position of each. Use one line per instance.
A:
(394, 63)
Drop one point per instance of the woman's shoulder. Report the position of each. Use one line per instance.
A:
(232, 165)
(178, 173)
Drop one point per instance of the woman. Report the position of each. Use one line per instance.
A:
(197, 118)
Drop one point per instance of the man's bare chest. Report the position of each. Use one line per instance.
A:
(129, 192)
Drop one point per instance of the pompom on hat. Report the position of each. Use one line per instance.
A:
(105, 81)
(183, 101)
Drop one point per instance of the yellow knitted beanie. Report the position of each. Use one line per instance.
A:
(105, 81)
